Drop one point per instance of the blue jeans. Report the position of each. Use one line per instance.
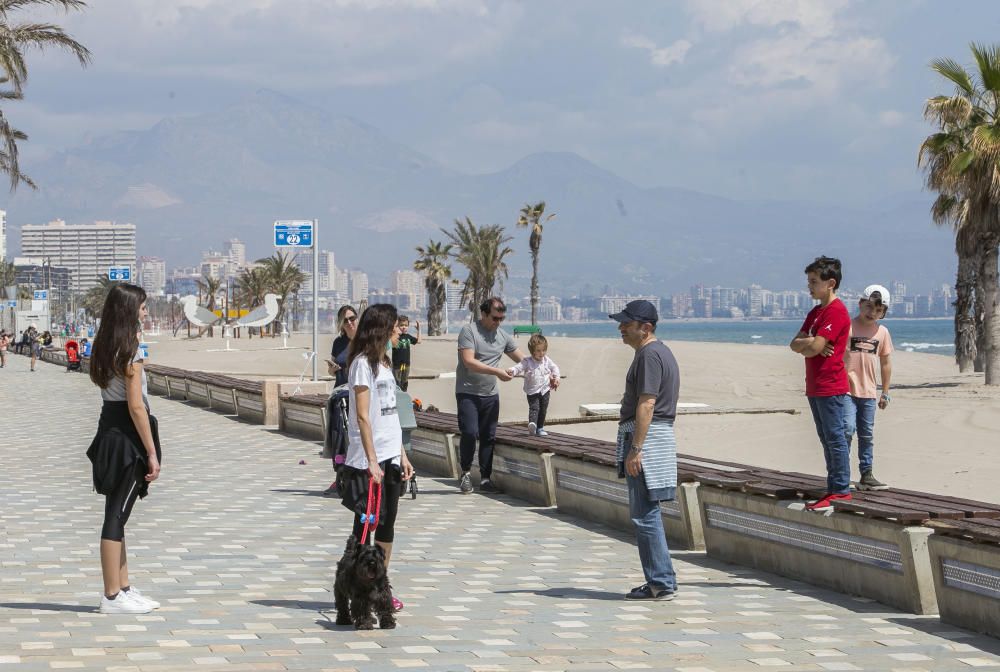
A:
(861, 419)
(650, 537)
(830, 415)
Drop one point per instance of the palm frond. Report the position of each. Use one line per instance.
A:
(954, 72)
(988, 61)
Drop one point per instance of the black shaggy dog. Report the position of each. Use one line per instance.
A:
(362, 586)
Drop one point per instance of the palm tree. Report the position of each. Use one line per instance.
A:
(8, 275)
(482, 252)
(93, 299)
(15, 38)
(962, 161)
(531, 217)
(433, 263)
(211, 286)
(283, 278)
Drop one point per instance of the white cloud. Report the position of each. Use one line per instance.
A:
(890, 118)
(659, 56)
(291, 43)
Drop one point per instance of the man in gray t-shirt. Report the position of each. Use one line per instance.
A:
(481, 346)
(647, 450)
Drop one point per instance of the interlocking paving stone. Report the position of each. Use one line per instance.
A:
(238, 545)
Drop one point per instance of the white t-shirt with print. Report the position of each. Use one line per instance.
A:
(387, 434)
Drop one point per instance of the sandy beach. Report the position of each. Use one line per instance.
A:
(938, 435)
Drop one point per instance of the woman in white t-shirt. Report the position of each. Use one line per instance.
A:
(375, 439)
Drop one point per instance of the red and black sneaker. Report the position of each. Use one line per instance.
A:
(826, 502)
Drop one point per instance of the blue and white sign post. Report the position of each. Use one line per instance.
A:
(299, 233)
(41, 295)
(120, 273)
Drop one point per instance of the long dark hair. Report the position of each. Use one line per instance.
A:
(118, 337)
(374, 331)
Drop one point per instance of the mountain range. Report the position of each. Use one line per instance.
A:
(189, 183)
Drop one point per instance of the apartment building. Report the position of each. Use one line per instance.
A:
(88, 250)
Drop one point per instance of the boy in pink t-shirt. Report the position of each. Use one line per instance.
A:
(870, 348)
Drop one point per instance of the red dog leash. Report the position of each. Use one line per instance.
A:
(367, 517)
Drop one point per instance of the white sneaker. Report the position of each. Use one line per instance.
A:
(123, 604)
(136, 595)
(532, 428)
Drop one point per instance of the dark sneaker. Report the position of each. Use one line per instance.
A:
(486, 486)
(826, 503)
(869, 482)
(331, 491)
(465, 485)
(644, 592)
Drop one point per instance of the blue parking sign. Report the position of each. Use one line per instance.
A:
(293, 233)
(120, 273)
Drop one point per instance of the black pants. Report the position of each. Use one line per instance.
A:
(392, 487)
(477, 421)
(538, 406)
(401, 372)
(118, 504)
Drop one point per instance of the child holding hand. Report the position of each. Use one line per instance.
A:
(541, 376)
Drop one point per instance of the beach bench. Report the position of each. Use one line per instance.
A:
(304, 415)
(874, 545)
(529, 329)
(434, 444)
(965, 560)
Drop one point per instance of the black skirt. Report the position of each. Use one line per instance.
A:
(117, 447)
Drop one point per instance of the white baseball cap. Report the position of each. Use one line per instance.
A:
(883, 294)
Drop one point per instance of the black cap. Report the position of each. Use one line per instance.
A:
(637, 311)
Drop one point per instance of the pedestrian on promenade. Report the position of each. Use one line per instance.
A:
(401, 352)
(34, 345)
(822, 340)
(480, 347)
(125, 452)
(375, 447)
(647, 451)
(4, 344)
(870, 348)
(337, 404)
(541, 376)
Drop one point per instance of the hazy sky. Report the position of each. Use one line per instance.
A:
(763, 99)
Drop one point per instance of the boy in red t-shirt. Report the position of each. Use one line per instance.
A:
(822, 340)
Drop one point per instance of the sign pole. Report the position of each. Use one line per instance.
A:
(315, 283)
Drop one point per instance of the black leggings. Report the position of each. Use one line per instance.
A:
(392, 487)
(118, 504)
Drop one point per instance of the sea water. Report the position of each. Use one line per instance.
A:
(935, 336)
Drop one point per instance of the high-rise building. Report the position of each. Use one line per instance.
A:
(412, 283)
(3, 235)
(327, 270)
(236, 250)
(755, 304)
(616, 304)
(152, 275)
(357, 286)
(549, 310)
(88, 250)
(214, 265)
(897, 288)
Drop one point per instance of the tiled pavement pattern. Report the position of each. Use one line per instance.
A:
(239, 547)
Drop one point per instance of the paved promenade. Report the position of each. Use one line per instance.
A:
(237, 544)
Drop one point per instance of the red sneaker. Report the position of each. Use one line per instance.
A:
(397, 605)
(826, 503)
